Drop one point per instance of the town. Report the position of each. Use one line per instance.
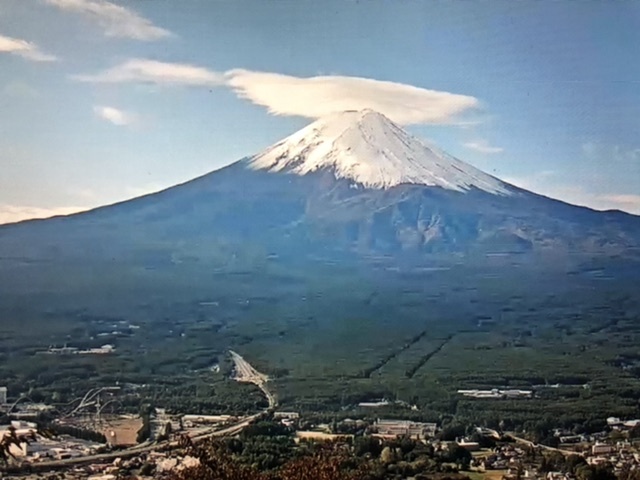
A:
(84, 441)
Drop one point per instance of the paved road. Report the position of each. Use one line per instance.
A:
(545, 447)
(246, 373)
(144, 448)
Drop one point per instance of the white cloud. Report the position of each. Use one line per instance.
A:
(17, 213)
(543, 184)
(607, 153)
(115, 20)
(154, 72)
(598, 201)
(83, 199)
(114, 115)
(24, 49)
(86, 194)
(19, 89)
(482, 146)
(626, 202)
(538, 182)
(312, 97)
(315, 97)
(145, 189)
(589, 149)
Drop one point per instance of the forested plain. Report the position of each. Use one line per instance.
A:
(331, 336)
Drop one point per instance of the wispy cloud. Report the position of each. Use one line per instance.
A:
(537, 182)
(24, 49)
(81, 200)
(115, 115)
(546, 183)
(115, 20)
(598, 201)
(626, 202)
(19, 89)
(16, 213)
(158, 73)
(311, 97)
(607, 153)
(482, 146)
(133, 191)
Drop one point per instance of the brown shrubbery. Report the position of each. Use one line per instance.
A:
(331, 461)
(324, 463)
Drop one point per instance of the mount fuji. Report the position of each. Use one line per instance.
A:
(370, 150)
(350, 185)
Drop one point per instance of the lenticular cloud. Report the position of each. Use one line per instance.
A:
(310, 97)
(316, 97)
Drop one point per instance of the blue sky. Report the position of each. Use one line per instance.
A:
(102, 101)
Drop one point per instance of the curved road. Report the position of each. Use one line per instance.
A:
(540, 445)
(144, 448)
(247, 374)
(244, 373)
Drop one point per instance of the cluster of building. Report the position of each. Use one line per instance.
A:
(348, 428)
(288, 419)
(518, 463)
(23, 411)
(386, 403)
(33, 448)
(497, 393)
(30, 411)
(504, 457)
(617, 424)
(103, 350)
(621, 455)
(194, 420)
(405, 428)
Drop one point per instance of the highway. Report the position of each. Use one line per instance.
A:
(524, 441)
(244, 373)
(144, 448)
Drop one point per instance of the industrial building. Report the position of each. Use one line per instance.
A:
(468, 444)
(497, 393)
(34, 448)
(405, 428)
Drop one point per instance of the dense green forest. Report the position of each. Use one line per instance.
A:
(331, 337)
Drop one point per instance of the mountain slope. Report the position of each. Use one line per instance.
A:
(369, 149)
(349, 185)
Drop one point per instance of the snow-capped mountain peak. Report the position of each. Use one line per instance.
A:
(369, 149)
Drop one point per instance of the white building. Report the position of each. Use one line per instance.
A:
(382, 403)
(612, 421)
(601, 448)
(286, 415)
(468, 444)
(406, 428)
(497, 393)
(103, 350)
(195, 419)
(3, 395)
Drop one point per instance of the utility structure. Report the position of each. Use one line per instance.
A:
(18, 400)
(93, 399)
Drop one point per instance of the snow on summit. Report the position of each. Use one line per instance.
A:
(369, 149)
